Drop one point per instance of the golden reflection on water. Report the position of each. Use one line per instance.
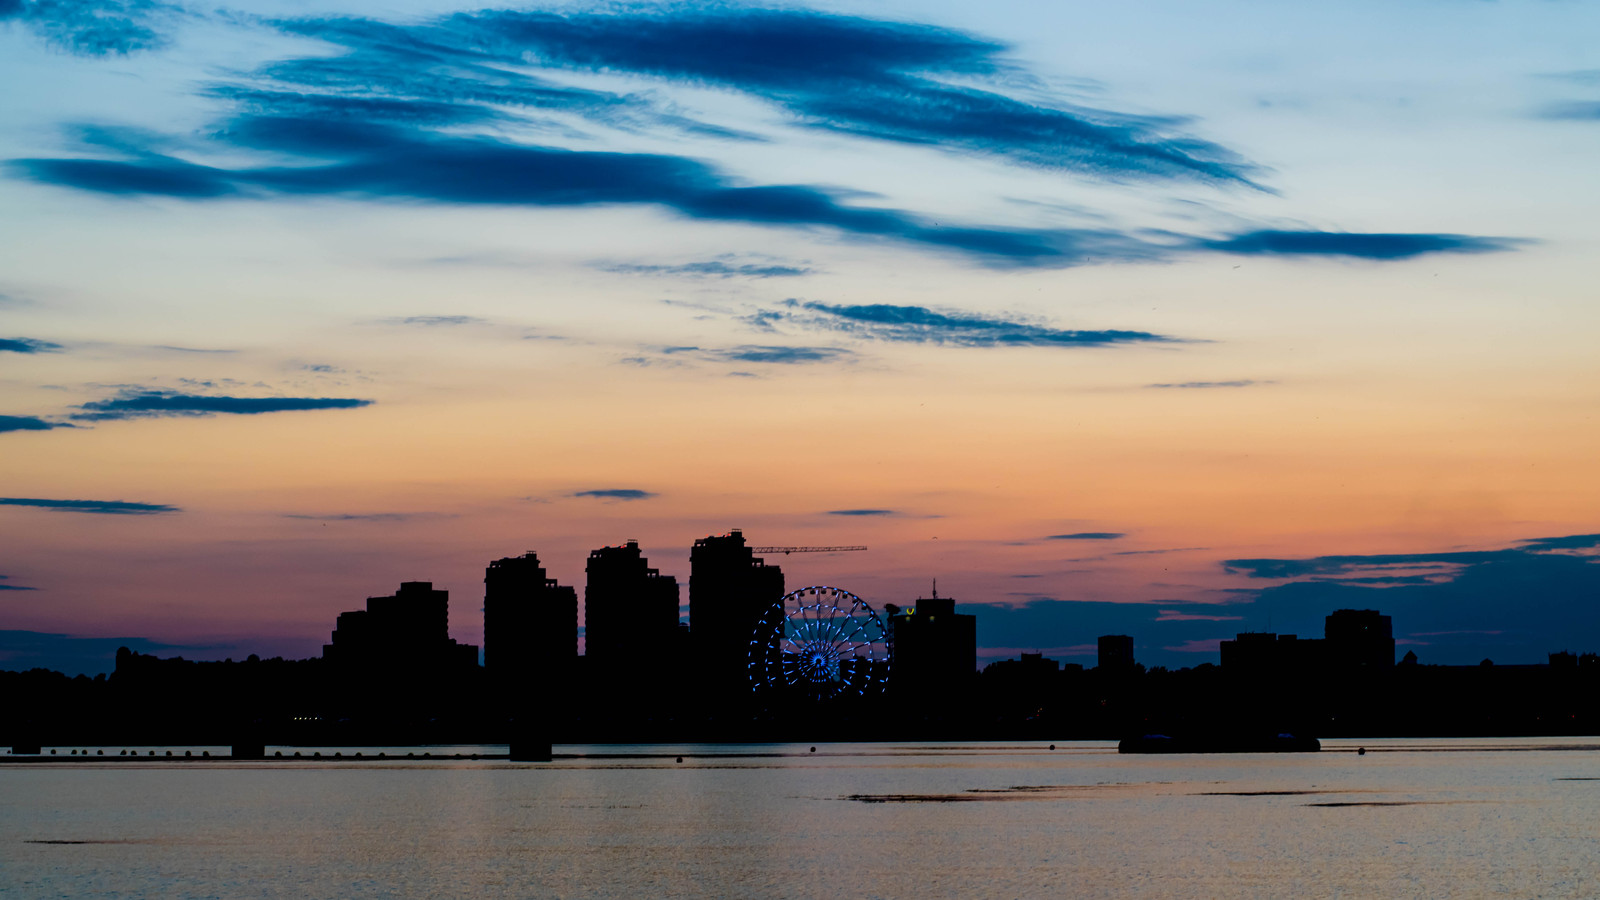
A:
(1410, 818)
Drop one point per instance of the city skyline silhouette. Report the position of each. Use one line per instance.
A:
(1148, 325)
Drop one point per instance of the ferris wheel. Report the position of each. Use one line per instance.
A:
(821, 642)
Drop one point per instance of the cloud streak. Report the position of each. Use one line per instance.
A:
(714, 268)
(100, 507)
(892, 81)
(379, 162)
(1202, 385)
(27, 345)
(93, 27)
(616, 494)
(921, 325)
(439, 112)
(166, 404)
(760, 353)
(28, 423)
(1383, 247)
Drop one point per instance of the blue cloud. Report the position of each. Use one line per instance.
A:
(1340, 565)
(885, 80)
(161, 404)
(93, 27)
(103, 507)
(917, 324)
(616, 494)
(715, 268)
(779, 355)
(1510, 605)
(27, 345)
(755, 353)
(401, 115)
(28, 423)
(380, 161)
(1565, 542)
(860, 512)
(1357, 245)
(1087, 536)
(13, 587)
(1579, 111)
(22, 650)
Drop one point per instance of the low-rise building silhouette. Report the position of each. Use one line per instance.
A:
(1359, 639)
(1354, 640)
(934, 647)
(1115, 653)
(409, 629)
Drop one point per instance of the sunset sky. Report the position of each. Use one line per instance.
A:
(1168, 318)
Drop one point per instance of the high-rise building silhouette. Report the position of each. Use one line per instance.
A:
(630, 612)
(934, 647)
(731, 592)
(409, 630)
(530, 624)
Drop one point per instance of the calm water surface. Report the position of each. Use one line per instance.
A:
(1456, 818)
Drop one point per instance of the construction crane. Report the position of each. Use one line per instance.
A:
(788, 550)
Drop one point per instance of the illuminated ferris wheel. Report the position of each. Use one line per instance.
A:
(820, 642)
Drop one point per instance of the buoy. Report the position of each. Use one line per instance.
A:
(1052, 746)
(1361, 751)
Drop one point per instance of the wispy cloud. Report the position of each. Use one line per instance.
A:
(861, 512)
(616, 494)
(431, 111)
(104, 507)
(1087, 536)
(921, 325)
(884, 80)
(1354, 245)
(1565, 542)
(28, 423)
(208, 350)
(758, 353)
(385, 161)
(27, 345)
(436, 321)
(94, 27)
(4, 586)
(163, 404)
(712, 268)
(1243, 382)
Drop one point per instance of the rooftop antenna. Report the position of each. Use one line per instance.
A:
(936, 589)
